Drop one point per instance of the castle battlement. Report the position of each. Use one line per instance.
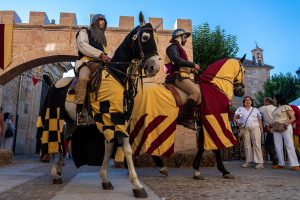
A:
(70, 20)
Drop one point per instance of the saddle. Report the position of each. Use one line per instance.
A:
(181, 99)
(179, 96)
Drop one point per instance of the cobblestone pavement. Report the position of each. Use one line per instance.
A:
(41, 187)
(35, 182)
(249, 183)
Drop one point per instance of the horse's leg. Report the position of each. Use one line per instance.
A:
(138, 189)
(221, 166)
(198, 158)
(55, 176)
(159, 163)
(197, 162)
(106, 184)
(60, 163)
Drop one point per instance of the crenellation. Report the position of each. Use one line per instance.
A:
(38, 18)
(68, 19)
(156, 21)
(91, 17)
(126, 22)
(184, 24)
(9, 17)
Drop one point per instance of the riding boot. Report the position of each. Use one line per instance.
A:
(187, 115)
(80, 93)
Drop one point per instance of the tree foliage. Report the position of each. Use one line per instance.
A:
(287, 85)
(212, 45)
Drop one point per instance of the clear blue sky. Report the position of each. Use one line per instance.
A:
(273, 24)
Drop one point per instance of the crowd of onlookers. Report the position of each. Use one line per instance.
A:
(7, 130)
(279, 122)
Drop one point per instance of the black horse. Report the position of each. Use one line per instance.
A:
(111, 97)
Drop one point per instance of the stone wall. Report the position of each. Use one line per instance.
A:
(255, 76)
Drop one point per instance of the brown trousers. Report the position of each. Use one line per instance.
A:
(191, 88)
(84, 76)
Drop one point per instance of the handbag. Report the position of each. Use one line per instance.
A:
(8, 133)
(267, 129)
(279, 127)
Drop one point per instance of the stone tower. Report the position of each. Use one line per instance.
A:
(257, 56)
(256, 73)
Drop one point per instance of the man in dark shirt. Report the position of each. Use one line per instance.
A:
(178, 69)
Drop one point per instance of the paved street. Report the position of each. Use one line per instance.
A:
(29, 179)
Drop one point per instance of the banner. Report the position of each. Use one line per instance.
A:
(6, 31)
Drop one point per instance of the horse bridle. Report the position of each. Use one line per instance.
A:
(138, 62)
(136, 37)
(240, 71)
(239, 88)
(233, 83)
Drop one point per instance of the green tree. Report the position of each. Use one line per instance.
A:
(287, 84)
(212, 45)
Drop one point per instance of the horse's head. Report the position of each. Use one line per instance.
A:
(143, 41)
(238, 83)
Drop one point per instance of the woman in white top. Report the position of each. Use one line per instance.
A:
(248, 118)
(284, 115)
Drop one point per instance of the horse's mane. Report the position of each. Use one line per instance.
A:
(125, 53)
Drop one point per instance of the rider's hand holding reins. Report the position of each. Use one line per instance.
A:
(105, 58)
(195, 69)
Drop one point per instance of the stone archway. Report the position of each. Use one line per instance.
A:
(22, 67)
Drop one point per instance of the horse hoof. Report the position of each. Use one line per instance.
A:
(140, 193)
(198, 177)
(57, 181)
(228, 176)
(164, 171)
(107, 186)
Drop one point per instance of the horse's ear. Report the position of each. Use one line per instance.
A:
(157, 26)
(142, 19)
(243, 58)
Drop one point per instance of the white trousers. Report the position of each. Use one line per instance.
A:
(287, 136)
(253, 152)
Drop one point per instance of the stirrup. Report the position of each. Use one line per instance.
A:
(82, 119)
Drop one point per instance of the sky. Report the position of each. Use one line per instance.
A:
(273, 25)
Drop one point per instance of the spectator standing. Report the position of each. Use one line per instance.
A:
(266, 111)
(283, 117)
(9, 131)
(248, 119)
(1, 125)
